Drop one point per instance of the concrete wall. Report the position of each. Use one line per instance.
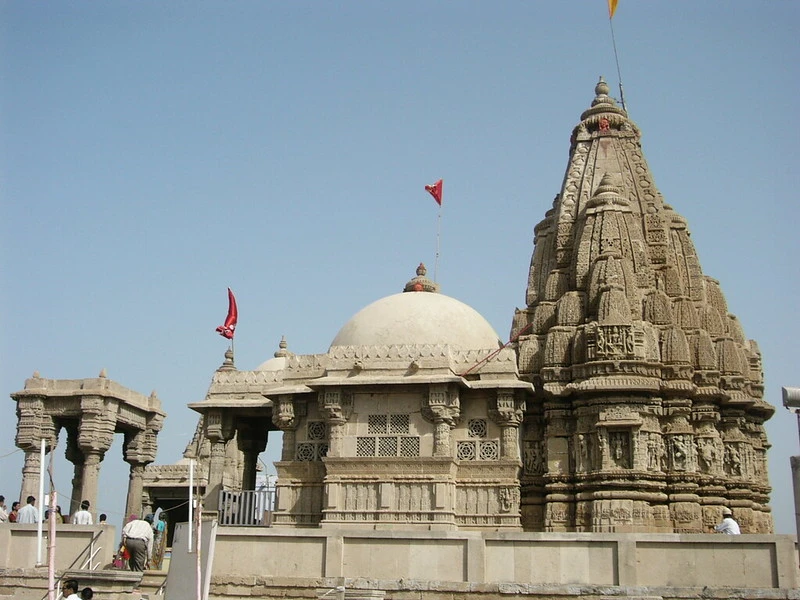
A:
(18, 545)
(655, 560)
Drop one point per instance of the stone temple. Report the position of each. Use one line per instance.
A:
(648, 412)
(629, 400)
(423, 452)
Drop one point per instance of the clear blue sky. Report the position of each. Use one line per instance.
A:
(155, 153)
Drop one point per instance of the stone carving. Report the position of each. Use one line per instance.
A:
(636, 318)
(620, 443)
(534, 459)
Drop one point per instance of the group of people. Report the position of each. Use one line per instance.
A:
(30, 514)
(69, 589)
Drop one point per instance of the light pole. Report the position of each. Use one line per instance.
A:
(791, 400)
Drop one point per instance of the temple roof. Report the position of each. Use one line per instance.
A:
(420, 315)
(612, 258)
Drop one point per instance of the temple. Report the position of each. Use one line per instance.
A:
(624, 411)
(649, 412)
(628, 401)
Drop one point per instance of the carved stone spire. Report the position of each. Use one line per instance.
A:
(630, 337)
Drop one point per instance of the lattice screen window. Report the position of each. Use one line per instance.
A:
(478, 448)
(316, 430)
(477, 428)
(386, 437)
(317, 447)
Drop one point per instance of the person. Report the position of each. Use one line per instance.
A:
(159, 529)
(83, 516)
(102, 519)
(137, 536)
(14, 514)
(728, 525)
(28, 513)
(87, 593)
(69, 589)
(3, 513)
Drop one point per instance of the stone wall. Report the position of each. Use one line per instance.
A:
(18, 545)
(395, 560)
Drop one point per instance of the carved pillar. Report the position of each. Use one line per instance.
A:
(219, 430)
(138, 451)
(283, 418)
(91, 477)
(442, 408)
(331, 405)
(252, 442)
(30, 475)
(32, 426)
(95, 434)
(507, 413)
(74, 455)
(133, 503)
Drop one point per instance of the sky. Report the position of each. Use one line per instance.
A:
(153, 154)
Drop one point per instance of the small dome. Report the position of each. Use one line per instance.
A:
(418, 318)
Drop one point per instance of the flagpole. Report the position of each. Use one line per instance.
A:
(616, 56)
(438, 232)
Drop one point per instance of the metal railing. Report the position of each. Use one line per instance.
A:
(252, 508)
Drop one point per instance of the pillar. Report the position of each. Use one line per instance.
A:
(30, 475)
(133, 502)
(91, 477)
(507, 413)
(74, 455)
(442, 407)
(219, 430)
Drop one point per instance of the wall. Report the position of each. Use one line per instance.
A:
(608, 559)
(18, 545)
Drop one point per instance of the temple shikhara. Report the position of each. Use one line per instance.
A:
(628, 403)
(648, 413)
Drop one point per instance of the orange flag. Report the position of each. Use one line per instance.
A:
(612, 7)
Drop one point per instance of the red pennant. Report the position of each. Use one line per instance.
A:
(435, 190)
(229, 327)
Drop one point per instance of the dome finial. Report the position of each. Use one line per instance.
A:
(601, 89)
(421, 283)
(282, 348)
(227, 364)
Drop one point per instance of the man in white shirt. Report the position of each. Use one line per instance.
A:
(138, 539)
(728, 525)
(83, 516)
(69, 589)
(3, 513)
(28, 513)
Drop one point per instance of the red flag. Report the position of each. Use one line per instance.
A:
(435, 190)
(228, 328)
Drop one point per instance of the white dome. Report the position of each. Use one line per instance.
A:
(418, 318)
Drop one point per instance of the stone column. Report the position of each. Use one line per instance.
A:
(33, 425)
(284, 419)
(30, 475)
(91, 477)
(138, 451)
(507, 413)
(331, 405)
(133, 502)
(219, 430)
(252, 442)
(75, 456)
(95, 434)
(442, 407)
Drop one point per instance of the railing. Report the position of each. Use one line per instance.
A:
(251, 508)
